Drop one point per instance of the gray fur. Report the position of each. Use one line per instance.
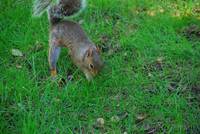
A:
(60, 9)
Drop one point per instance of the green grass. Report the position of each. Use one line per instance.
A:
(154, 72)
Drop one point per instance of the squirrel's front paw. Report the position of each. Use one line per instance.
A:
(89, 76)
(53, 74)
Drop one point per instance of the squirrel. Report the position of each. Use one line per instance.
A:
(64, 33)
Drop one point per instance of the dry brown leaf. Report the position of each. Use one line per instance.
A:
(140, 117)
(100, 122)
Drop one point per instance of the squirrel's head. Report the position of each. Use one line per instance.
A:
(92, 61)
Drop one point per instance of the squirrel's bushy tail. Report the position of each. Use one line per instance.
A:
(40, 6)
(58, 11)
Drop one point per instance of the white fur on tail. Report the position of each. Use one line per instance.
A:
(40, 6)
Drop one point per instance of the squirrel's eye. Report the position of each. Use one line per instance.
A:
(91, 66)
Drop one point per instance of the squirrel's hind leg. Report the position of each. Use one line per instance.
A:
(54, 52)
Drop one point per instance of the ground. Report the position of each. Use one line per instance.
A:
(150, 82)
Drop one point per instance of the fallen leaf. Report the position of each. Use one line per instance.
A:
(161, 10)
(140, 117)
(152, 128)
(18, 66)
(151, 13)
(100, 121)
(151, 131)
(160, 60)
(99, 124)
(16, 52)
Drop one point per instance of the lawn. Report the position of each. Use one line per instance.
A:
(150, 82)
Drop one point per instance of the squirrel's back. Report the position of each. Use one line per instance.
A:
(58, 10)
(75, 35)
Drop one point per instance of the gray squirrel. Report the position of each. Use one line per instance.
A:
(65, 33)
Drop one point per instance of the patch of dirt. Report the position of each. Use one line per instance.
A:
(196, 10)
(196, 89)
(110, 49)
(172, 86)
(104, 39)
(122, 95)
(191, 32)
(140, 10)
(156, 65)
(193, 130)
(114, 17)
(152, 128)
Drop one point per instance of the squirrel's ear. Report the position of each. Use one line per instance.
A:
(89, 52)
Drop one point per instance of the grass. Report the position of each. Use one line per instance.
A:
(150, 84)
